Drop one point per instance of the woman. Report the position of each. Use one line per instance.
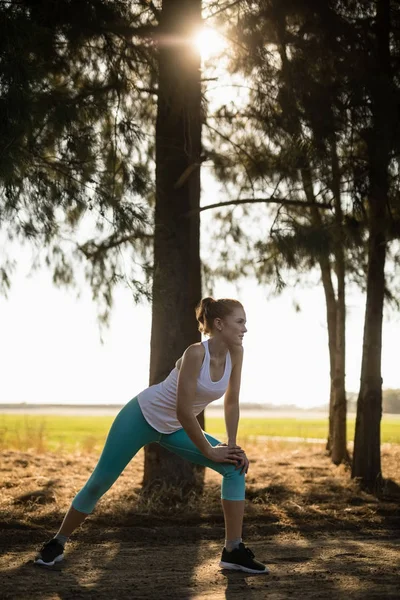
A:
(166, 413)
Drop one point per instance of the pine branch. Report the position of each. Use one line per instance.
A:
(149, 4)
(270, 200)
(238, 148)
(91, 250)
(127, 32)
(222, 9)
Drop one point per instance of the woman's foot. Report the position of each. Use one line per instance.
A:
(50, 553)
(242, 559)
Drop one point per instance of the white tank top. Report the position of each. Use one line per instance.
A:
(158, 402)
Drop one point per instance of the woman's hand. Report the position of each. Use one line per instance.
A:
(243, 463)
(233, 454)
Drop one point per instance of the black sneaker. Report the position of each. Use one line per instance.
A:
(242, 559)
(51, 553)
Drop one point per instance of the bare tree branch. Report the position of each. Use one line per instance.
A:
(271, 200)
(92, 250)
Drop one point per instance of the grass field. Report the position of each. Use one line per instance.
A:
(87, 433)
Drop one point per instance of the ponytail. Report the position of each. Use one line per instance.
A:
(210, 309)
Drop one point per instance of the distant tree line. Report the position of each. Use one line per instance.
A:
(390, 401)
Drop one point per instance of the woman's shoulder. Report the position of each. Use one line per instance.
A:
(236, 354)
(194, 352)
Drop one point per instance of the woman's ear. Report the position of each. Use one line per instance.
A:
(218, 324)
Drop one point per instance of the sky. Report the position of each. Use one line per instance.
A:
(51, 349)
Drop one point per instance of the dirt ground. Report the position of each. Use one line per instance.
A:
(321, 536)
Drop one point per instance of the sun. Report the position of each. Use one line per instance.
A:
(209, 42)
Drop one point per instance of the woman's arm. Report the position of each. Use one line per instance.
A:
(231, 401)
(231, 407)
(186, 391)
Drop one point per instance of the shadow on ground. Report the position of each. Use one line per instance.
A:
(322, 537)
(300, 567)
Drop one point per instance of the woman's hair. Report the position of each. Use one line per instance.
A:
(209, 309)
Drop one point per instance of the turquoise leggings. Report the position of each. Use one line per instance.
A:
(128, 434)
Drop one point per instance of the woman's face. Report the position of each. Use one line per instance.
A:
(233, 327)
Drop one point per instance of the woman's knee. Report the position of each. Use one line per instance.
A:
(232, 472)
(233, 484)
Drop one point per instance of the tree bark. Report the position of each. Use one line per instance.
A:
(177, 279)
(367, 458)
(338, 413)
(336, 323)
(330, 301)
(336, 312)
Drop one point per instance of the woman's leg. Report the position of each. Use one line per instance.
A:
(235, 555)
(129, 432)
(233, 516)
(233, 481)
(71, 521)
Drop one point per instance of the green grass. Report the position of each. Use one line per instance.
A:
(50, 432)
(53, 432)
(301, 428)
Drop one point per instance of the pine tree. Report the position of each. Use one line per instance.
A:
(381, 90)
(345, 126)
(79, 131)
(75, 114)
(176, 278)
(295, 146)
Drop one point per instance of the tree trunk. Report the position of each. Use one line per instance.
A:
(336, 322)
(367, 458)
(331, 316)
(336, 444)
(330, 300)
(339, 405)
(177, 280)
